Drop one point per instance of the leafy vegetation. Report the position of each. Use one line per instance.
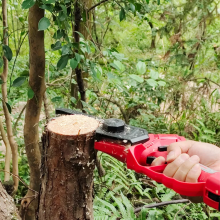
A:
(154, 64)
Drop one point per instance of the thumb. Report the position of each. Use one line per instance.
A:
(175, 149)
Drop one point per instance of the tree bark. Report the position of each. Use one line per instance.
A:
(8, 152)
(31, 134)
(4, 76)
(67, 165)
(83, 28)
(8, 210)
(46, 107)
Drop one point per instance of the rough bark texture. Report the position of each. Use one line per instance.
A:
(31, 134)
(4, 76)
(8, 210)
(67, 167)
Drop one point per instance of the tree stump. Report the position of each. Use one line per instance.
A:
(68, 162)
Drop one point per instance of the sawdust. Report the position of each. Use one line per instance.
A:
(73, 125)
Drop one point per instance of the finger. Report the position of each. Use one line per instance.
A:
(171, 168)
(177, 148)
(184, 169)
(158, 161)
(193, 174)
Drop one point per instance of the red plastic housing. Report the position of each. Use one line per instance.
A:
(135, 158)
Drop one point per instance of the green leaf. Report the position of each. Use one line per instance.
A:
(1, 62)
(66, 49)
(58, 34)
(64, 9)
(161, 83)
(30, 93)
(158, 2)
(80, 35)
(49, 1)
(27, 4)
(19, 81)
(141, 67)
(73, 63)
(147, 1)
(25, 73)
(78, 57)
(62, 62)
(122, 14)
(154, 74)
(119, 65)
(73, 100)
(1, 82)
(62, 16)
(43, 24)
(207, 131)
(56, 46)
(8, 107)
(132, 7)
(7, 52)
(115, 66)
(113, 79)
(137, 78)
(47, 7)
(152, 82)
(73, 81)
(56, 99)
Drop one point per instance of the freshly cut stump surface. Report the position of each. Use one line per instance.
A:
(68, 162)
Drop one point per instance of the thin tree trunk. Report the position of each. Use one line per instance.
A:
(83, 28)
(68, 162)
(37, 84)
(14, 147)
(7, 154)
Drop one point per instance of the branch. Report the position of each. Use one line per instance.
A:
(17, 53)
(94, 6)
(162, 204)
(123, 112)
(19, 117)
(8, 152)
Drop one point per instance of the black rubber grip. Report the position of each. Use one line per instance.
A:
(162, 148)
(150, 159)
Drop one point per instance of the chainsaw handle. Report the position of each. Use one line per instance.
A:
(207, 186)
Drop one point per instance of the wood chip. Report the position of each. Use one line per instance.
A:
(73, 125)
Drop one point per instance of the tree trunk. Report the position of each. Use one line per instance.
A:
(7, 154)
(8, 210)
(68, 162)
(31, 134)
(83, 28)
(4, 76)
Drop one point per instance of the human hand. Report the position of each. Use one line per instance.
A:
(184, 157)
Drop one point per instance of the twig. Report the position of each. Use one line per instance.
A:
(94, 6)
(18, 177)
(19, 117)
(183, 208)
(18, 51)
(119, 106)
(162, 204)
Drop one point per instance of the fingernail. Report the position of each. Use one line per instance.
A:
(171, 156)
(195, 159)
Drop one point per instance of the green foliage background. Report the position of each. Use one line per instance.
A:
(154, 64)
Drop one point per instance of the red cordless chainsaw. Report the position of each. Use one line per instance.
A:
(135, 147)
